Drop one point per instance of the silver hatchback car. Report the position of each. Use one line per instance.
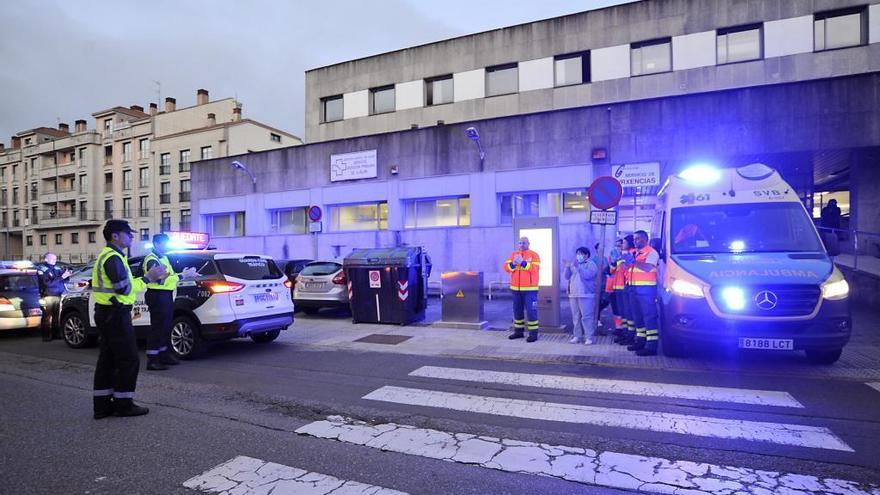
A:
(321, 284)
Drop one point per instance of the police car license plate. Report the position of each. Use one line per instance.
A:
(266, 297)
(766, 344)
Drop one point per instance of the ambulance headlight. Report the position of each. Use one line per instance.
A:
(701, 174)
(836, 287)
(684, 288)
(734, 298)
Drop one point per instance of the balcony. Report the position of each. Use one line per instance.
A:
(68, 168)
(108, 161)
(164, 169)
(165, 198)
(185, 226)
(144, 212)
(184, 167)
(65, 218)
(165, 226)
(108, 214)
(184, 196)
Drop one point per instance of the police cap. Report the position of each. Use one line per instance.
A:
(113, 226)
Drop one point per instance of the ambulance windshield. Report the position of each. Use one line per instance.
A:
(743, 228)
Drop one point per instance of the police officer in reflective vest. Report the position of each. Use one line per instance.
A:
(523, 266)
(643, 280)
(114, 290)
(160, 301)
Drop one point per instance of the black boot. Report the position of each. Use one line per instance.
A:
(533, 336)
(627, 338)
(102, 406)
(168, 358)
(126, 407)
(517, 334)
(650, 349)
(637, 345)
(154, 364)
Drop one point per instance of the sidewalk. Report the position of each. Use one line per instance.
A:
(331, 330)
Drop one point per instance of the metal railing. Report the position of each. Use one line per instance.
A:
(861, 247)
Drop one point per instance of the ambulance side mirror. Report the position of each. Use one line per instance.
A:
(832, 244)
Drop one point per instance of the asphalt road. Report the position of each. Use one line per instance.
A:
(246, 399)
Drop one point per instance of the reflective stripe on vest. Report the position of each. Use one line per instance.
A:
(640, 277)
(103, 289)
(170, 281)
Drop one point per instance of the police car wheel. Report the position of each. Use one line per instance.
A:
(673, 347)
(264, 337)
(824, 357)
(73, 329)
(185, 339)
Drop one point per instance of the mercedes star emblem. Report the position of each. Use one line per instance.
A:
(766, 300)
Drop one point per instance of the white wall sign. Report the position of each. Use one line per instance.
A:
(603, 217)
(637, 174)
(351, 166)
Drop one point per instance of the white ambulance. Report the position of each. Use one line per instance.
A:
(744, 267)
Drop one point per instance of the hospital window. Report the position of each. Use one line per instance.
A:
(651, 57)
(567, 202)
(382, 100)
(289, 221)
(573, 68)
(364, 216)
(840, 29)
(739, 44)
(444, 212)
(518, 205)
(226, 224)
(502, 79)
(331, 108)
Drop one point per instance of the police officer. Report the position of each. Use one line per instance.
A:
(643, 282)
(160, 301)
(114, 290)
(523, 265)
(51, 288)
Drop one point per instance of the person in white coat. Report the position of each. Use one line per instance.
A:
(581, 277)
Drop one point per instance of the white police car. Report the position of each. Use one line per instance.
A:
(234, 295)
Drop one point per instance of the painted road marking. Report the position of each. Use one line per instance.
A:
(607, 469)
(583, 384)
(249, 476)
(874, 385)
(703, 426)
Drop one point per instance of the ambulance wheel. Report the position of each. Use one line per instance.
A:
(186, 342)
(262, 338)
(824, 357)
(673, 347)
(73, 330)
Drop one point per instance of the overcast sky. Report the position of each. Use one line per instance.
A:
(61, 60)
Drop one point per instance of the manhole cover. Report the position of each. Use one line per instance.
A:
(377, 338)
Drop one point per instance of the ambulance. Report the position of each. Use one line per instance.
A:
(743, 266)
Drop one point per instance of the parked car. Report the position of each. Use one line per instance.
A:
(320, 284)
(234, 295)
(19, 299)
(291, 268)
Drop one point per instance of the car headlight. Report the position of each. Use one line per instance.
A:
(684, 288)
(836, 287)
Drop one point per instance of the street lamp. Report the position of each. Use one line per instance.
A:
(475, 137)
(237, 165)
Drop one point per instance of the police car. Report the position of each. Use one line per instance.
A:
(234, 295)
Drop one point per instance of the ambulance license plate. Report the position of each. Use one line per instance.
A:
(266, 297)
(766, 344)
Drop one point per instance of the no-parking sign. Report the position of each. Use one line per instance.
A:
(375, 279)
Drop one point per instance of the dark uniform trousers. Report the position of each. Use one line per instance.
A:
(161, 304)
(118, 364)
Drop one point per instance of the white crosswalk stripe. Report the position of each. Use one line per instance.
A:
(704, 426)
(244, 475)
(585, 384)
(874, 385)
(607, 469)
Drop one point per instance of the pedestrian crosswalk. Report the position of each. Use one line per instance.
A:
(244, 475)
(584, 464)
(874, 385)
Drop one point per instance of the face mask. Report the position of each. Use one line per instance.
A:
(580, 258)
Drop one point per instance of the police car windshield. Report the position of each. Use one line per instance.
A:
(743, 228)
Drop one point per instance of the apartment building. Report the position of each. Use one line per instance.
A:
(556, 103)
(57, 187)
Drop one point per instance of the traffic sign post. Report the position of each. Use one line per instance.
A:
(315, 215)
(605, 193)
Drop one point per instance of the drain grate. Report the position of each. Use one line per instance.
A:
(378, 338)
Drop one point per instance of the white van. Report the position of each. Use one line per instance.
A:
(744, 267)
